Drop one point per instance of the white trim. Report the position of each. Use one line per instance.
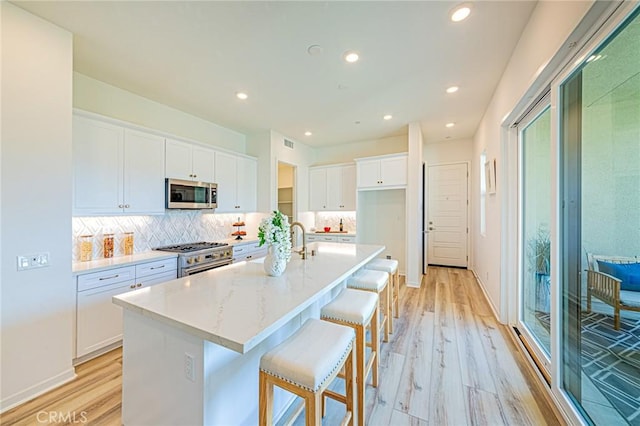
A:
(380, 157)
(37, 390)
(486, 296)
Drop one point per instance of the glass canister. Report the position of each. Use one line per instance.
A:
(127, 243)
(86, 247)
(107, 245)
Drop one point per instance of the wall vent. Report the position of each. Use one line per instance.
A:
(288, 143)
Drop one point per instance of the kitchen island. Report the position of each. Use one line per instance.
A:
(192, 346)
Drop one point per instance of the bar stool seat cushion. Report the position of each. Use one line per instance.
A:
(351, 306)
(311, 355)
(387, 265)
(369, 279)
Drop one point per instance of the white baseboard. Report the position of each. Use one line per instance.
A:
(37, 390)
(486, 296)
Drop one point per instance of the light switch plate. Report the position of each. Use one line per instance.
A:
(32, 261)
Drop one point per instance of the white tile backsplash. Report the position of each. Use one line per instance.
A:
(180, 226)
(332, 219)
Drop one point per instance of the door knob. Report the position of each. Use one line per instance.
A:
(431, 228)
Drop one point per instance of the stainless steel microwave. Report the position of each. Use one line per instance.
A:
(186, 194)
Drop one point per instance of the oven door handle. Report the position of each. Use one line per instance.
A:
(202, 268)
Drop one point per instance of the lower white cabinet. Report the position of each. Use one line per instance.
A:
(248, 251)
(347, 239)
(98, 320)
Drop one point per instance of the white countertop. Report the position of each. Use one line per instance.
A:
(338, 234)
(247, 239)
(111, 262)
(238, 306)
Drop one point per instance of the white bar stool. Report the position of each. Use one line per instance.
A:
(359, 310)
(375, 281)
(391, 267)
(306, 364)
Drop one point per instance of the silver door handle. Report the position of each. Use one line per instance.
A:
(431, 228)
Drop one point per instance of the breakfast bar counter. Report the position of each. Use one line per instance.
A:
(192, 346)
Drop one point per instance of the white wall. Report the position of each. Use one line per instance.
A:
(37, 305)
(450, 151)
(345, 153)
(99, 97)
(414, 206)
(550, 25)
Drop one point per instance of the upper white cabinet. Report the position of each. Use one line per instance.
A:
(236, 177)
(115, 169)
(332, 188)
(189, 162)
(383, 172)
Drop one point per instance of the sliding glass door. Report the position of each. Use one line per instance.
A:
(599, 106)
(534, 313)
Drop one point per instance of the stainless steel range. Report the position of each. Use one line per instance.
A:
(200, 257)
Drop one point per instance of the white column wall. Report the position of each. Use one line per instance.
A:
(414, 206)
(37, 305)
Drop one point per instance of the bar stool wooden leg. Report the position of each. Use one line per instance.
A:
(386, 308)
(391, 290)
(397, 296)
(265, 401)
(375, 347)
(350, 385)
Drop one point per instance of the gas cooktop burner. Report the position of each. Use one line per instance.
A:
(186, 248)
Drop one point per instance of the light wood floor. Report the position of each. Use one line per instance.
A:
(448, 362)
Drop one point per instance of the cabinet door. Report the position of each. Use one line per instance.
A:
(178, 160)
(99, 321)
(247, 185)
(317, 189)
(393, 171)
(368, 172)
(143, 173)
(97, 167)
(202, 162)
(348, 199)
(225, 176)
(334, 188)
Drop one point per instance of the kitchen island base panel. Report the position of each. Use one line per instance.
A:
(224, 389)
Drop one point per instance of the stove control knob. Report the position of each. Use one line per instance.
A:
(190, 260)
(200, 258)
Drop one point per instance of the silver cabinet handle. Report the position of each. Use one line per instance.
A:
(132, 286)
(157, 267)
(109, 278)
(120, 206)
(139, 285)
(126, 206)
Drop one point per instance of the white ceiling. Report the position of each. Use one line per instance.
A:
(194, 56)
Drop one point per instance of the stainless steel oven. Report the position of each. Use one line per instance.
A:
(198, 257)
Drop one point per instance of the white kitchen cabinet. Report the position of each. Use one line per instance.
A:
(248, 251)
(116, 170)
(237, 179)
(331, 238)
(98, 320)
(189, 161)
(332, 188)
(383, 172)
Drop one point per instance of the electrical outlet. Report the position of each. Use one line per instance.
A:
(31, 261)
(189, 367)
(389, 257)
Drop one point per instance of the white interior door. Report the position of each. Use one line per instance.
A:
(447, 218)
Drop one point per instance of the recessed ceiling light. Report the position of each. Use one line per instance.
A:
(241, 95)
(351, 56)
(308, 133)
(461, 12)
(452, 89)
(315, 50)
(387, 117)
(450, 124)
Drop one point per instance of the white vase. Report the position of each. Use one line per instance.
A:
(274, 265)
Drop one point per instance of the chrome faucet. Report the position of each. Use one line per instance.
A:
(303, 251)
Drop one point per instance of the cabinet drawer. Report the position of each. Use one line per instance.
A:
(156, 267)
(313, 238)
(329, 238)
(349, 240)
(108, 277)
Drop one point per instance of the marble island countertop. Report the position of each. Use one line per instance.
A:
(238, 306)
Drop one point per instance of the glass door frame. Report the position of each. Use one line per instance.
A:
(558, 231)
(531, 343)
